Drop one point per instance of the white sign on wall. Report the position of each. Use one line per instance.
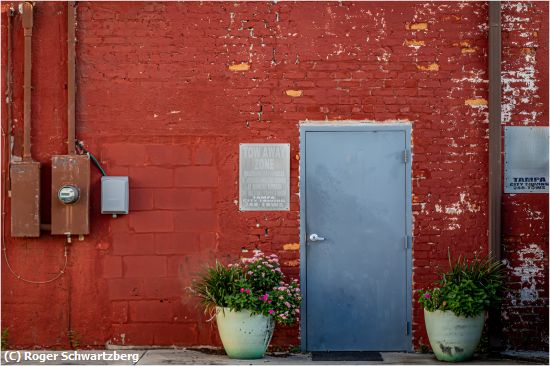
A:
(264, 177)
(526, 159)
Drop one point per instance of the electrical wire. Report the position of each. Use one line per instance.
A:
(80, 145)
(19, 277)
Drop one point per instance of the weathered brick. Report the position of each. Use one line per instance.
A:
(152, 221)
(141, 199)
(196, 176)
(125, 288)
(195, 221)
(150, 311)
(177, 243)
(144, 266)
(119, 311)
(203, 155)
(133, 244)
(124, 154)
(163, 155)
(111, 266)
(146, 177)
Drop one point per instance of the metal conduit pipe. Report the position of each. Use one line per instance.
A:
(27, 29)
(495, 156)
(71, 83)
(495, 129)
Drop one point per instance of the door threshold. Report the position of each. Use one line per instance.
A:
(346, 356)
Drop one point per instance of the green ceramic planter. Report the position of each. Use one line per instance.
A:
(244, 336)
(453, 338)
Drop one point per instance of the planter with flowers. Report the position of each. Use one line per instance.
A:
(455, 309)
(247, 299)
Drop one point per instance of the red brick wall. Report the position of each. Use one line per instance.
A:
(167, 91)
(525, 216)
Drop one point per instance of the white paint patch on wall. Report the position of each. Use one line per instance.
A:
(459, 207)
(519, 77)
(531, 268)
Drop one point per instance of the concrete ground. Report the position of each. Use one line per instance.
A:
(207, 357)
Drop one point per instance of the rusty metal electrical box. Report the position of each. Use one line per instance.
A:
(25, 198)
(70, 195)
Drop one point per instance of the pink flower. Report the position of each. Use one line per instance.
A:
(271, 312)
(247, 291)
(427, 295)
(242, 290)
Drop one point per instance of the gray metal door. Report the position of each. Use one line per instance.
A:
(355, 196)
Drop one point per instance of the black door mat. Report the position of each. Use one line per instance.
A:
(346, 356)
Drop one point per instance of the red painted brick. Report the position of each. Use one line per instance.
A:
(111, 266)
(120, 224)
(177, 243)
(163, 155)
(119, 311)
(133, 244)
(123, 289)
(183, 198)
(152, 221)
(144, 266)
(196, 177)
(141, 199)
(156, 333)
(150, 311)
(203, 199)
(184, 334)
(176, 198)
(195, 221)
(203, 155)
(124, 154)
(165, 288)
(147, 177)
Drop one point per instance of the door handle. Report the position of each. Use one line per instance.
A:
(315, 237)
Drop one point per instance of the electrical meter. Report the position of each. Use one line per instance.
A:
(68, 194)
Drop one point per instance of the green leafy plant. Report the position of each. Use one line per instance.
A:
(467, 289)
(5, 338)
(74, 339)
(216, 284)
(256, 284)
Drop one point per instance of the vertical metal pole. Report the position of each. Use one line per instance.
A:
(71, 85)
(27, 29)
(9, 94)
(495, 158)
(495, 129)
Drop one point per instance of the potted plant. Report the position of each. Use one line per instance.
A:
(247, 299)
(455, 308)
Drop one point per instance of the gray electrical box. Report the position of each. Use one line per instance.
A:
(114, 195)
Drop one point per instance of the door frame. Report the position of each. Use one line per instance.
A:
(352, 126)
